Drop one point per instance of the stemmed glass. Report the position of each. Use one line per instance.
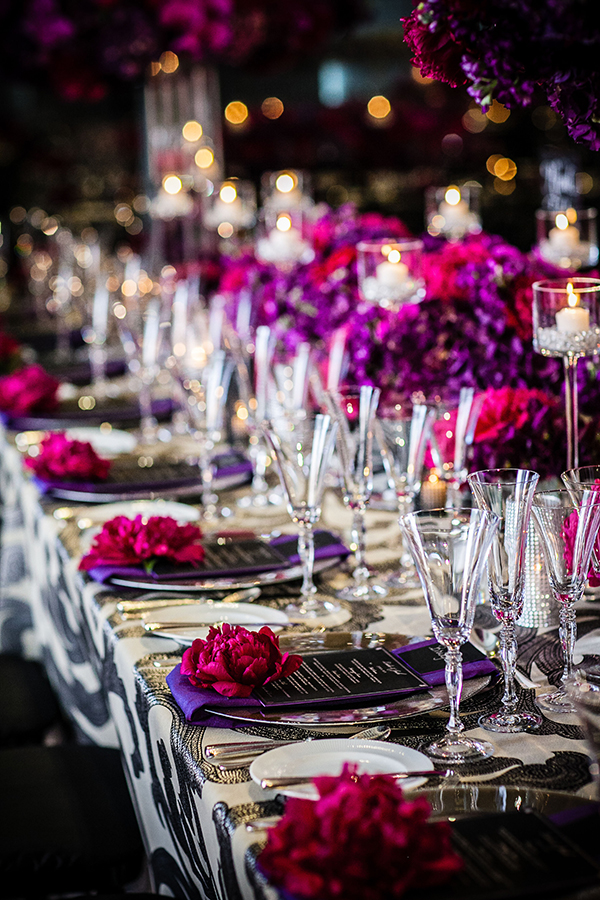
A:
(509, 494)
(302, 448)
(354, 409)
(451, 438)
(402, 437)
(450, 549)
(567, 534)
(578, 482)
(204, 374)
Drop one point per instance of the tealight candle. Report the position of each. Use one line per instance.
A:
(572, 318)
(391, 274)
(564, 240)
(455, 214)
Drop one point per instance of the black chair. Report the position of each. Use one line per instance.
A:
(28, 707)
(67, 823)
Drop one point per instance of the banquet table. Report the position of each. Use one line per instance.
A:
(111, 678)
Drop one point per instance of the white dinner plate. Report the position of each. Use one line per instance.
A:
(96, 515)
(327, 757)
(105, 443)
(251, 616)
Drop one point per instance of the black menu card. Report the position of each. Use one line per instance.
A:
(342, 676)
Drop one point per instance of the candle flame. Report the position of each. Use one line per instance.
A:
(562, 223)
(394, 256)
(452, 196)
(572, 297)
(283, 223)
(228, 193)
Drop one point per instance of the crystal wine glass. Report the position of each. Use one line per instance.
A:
(509, 494)
(450, 549)
(578, 482)
(567, 534)
(205, 379)
(354, 410)
(302, 448)
(402, 436)
(452, 436)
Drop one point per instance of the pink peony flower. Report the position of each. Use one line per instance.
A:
(29, 390)
(129, 542)
(233, 660)
(361, 840)
(68, 460)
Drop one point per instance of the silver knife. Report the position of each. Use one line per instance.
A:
(292, 781)
(158, 601)
(180, 626)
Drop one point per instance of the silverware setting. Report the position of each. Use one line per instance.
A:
(241, 750)
(294, 780)
(150, 601)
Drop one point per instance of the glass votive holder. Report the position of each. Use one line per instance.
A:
(285, 190)
(568, 238)
(231, 208)
(282, 238)
(389, 272)
(566, 316)
(453, 211)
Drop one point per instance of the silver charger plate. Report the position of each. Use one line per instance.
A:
(434, 698)
(255, 579)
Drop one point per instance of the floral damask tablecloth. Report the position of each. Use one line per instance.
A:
(192, 814)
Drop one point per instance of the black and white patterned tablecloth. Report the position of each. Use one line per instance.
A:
(192, 814)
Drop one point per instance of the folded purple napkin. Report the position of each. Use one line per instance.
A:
(327, 546)
(194, 701)
(227, 466)
(66, 416)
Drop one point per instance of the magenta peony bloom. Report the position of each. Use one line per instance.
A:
(131, 542)
(233, 660)
(67, 460)
(361, 840)
(29, 390)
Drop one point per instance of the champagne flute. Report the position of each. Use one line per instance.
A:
(509, 494)
(402, 438)
(354, 410)
(450, 548)
(578, 482)
(567, 534)
(302, 448)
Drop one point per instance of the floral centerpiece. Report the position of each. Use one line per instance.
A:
(506, 50)
(474, 329)
(84, 47)
(361, 839)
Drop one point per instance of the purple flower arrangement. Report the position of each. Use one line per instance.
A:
(507, 49)
(474, 329)
(83, 47)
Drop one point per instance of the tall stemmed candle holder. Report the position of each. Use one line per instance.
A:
(389, 272)
(566, 324)
(568, 238)
(450, 549)
(508, 493)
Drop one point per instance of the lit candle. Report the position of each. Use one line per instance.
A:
(572, 318)
(564, 238)
(392, 273)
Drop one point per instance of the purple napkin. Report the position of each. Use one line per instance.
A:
(193, 701)
(327, 546)
(66, 416)
(227, 466)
